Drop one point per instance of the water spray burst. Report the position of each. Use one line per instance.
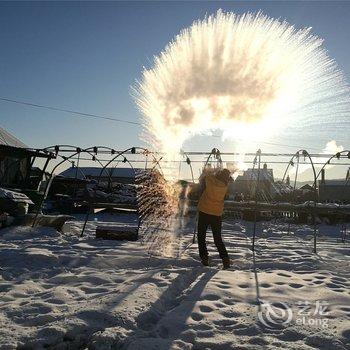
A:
(243, 74)
(246, 75)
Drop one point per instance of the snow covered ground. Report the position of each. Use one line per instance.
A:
(60, 291)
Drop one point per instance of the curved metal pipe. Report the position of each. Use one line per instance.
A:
(189, 162)
(214, 152)
(306, 154)
(49, 182)
(98, 181)
(328, 161)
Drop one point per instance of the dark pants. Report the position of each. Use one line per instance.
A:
(204, 220)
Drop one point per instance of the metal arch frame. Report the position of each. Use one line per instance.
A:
(92, 151)
(119, 154)
(78, 168)
(295, 180)
(49, 182)
(81, 150)
(98, 181)
(305, 153)
(336, 155)
(52, 149)
(328, 163)
(146, 152)
(115, 167)
(189, 162)
(257, 158)
(214, 152)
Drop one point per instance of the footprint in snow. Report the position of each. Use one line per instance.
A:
(319, 277)
(210, 297)
(202, 327)
(55, 301)
(223, 286)
(283, 274)
(280, 283)
(229, 302)
(257, 341)
(225, 322)
(205, 308)
(295, 285)
(196, 316)
(249, 331)
(220, 305)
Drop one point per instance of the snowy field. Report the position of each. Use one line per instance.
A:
(59, 291)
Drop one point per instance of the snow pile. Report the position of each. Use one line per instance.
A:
(14, 196)
(64, 292)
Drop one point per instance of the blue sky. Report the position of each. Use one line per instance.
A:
(86, 55)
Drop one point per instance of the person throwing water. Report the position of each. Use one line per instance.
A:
(210, 208)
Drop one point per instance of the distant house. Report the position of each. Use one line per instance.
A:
(16, 163)
(306, 188)
(111, 174)
(280, 188)
(246, 183)
(334, 191)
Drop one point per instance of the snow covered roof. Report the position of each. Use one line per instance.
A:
(307, 187)
(280, 187)
(9, 140)
(96, 171)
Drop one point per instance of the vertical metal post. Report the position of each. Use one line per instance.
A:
(294, 186)
(47, 188)
(75, 182)
(315, 233)
(315, 200)
(256, 199)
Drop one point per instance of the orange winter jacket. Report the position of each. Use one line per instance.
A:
(212, 199)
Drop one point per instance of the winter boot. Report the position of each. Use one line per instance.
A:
(226, 263)
(205, 261)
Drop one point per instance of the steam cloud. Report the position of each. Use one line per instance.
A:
(238, 73)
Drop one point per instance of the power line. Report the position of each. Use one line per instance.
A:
(99, 116)
(82, 114)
